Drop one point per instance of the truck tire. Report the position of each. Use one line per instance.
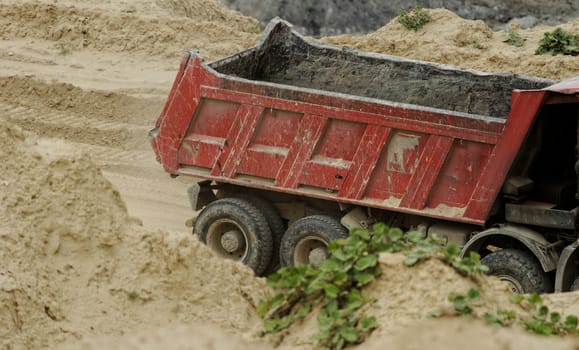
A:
(235, 229)
(274, 221)
(276, 226)
(519, 269)
(306, 241)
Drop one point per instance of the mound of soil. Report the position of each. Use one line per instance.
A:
(75, 265)
(452, 40)
(164, 28)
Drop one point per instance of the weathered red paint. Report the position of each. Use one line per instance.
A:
(389, 156)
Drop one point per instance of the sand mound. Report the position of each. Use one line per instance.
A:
(74, 264)
(63, 111)
(452, 40)
(166, 28)
(69, 98)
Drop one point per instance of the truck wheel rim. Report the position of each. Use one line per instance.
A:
(227, 239)
(312, 251)
(514, 285)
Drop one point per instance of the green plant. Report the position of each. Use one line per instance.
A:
(557, 42)
(433, 246)
(255, 29)
(539, 320)
(337, 285)
(133, 295)
(515, 39)
(414, 18)
(544, 322)
(464, 303)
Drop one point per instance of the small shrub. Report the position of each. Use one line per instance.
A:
(515, 39)
(557, 42)
(540, 321)
(414, 18)
(256, 29)
(133, 295)
(338, 284)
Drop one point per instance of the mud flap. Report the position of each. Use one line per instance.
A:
(201, 194)
(567, 268)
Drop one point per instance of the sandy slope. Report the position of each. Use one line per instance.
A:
(89, 79)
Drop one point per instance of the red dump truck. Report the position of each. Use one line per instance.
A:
(296, 142)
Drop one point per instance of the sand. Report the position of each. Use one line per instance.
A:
(452, 40)
(94, 250)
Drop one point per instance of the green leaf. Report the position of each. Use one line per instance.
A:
(473, 294)
(395, 234)
(365, 262)
(325, 322)
(331, 291)
(414, 236)
(451, 251)
(340, 278)
(339, 342)
(380, 228)
(517, 298)
(263, 307)
(316, 285)
(555, 317)
(330, 265)
(350, 334)
(304, 310)
(492, 319)
(435, 314)
(274, 279)
(535, 299)
(571, 322)
(292, 281)
(543, 310)
(363, 278)
(411, 260)
(360, 232)
(341, 255)
(368, 323)
(271, 326)
(355, 300)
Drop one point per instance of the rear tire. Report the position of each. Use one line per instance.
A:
(519, 269)
(306, 241)
(235, 229)
(276, 226)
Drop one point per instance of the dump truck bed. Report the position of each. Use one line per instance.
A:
(337, 124)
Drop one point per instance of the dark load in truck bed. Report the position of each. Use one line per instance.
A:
(286, 58)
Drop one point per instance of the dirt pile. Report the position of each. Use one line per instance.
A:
(452, 40)
(164, 28)
(75, 265)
